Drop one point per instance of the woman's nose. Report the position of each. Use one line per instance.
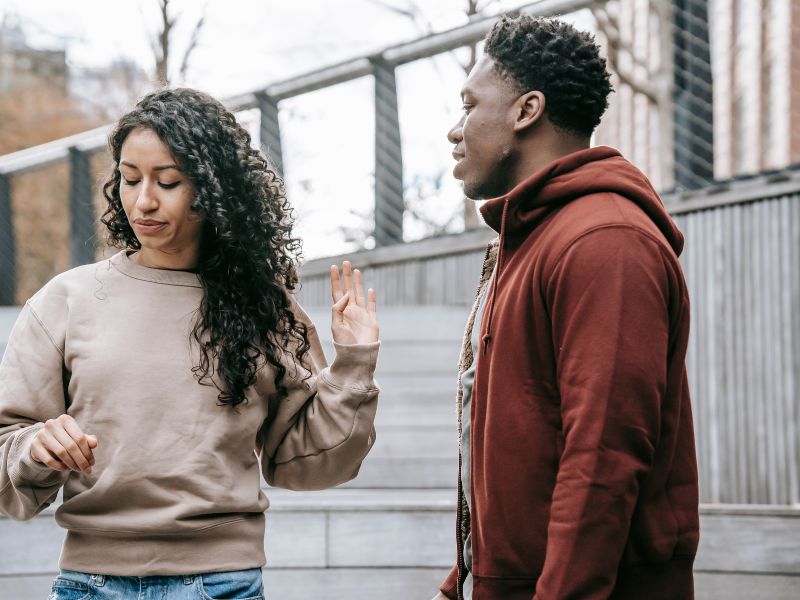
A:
(146, 202)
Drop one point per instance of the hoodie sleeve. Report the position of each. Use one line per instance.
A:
(450, 586)
(31, 392)
(323, 425)
(608, 298)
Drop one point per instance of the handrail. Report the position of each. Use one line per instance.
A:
(468, 241)
(761, 187)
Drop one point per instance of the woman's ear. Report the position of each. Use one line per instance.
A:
(529, 109)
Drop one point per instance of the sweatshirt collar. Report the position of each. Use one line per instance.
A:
(126, 266)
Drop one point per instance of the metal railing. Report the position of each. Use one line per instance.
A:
(685, 112)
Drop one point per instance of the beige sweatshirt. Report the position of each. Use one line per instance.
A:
(175, 488)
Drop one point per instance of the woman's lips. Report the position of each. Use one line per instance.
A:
(148, 226)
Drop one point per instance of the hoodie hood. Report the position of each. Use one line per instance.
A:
(592, 171)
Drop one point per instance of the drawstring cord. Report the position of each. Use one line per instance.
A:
(487, 337)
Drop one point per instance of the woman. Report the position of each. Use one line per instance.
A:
(144, 383)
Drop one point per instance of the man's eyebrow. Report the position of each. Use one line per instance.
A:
(465, 91)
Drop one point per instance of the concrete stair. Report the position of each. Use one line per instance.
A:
(391, 532)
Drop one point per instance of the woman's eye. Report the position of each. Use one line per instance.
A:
(169, 186)
(128, 182)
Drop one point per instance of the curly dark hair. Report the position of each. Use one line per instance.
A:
(248, 256)
(552, 57)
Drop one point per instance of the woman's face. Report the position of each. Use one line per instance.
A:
(157, 198)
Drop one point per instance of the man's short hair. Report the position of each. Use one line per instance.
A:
(552, 57)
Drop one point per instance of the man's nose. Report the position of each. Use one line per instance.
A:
(454, 135)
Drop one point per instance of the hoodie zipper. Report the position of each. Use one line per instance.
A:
(459, 542)
(500, 255)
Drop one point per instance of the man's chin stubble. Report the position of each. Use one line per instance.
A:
(498, 184)
(484, 190)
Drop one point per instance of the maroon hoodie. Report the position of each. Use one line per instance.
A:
(583, 467)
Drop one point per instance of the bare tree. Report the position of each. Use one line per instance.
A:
(655, 83)
(161, 43)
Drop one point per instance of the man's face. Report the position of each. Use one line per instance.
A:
(484, 144)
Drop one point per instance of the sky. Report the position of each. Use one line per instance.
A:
(327, 135)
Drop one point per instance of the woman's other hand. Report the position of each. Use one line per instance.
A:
(61, 445)
(354, 319)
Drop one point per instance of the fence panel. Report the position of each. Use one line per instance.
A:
(742, 267)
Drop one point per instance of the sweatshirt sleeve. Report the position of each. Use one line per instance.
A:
(609, 302)
(31, 392)
(327, 415)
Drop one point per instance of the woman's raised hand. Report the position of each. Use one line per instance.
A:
(354, 319)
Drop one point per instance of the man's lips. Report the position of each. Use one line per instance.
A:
(459, 157)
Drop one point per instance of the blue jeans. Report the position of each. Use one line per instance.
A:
(233, 585)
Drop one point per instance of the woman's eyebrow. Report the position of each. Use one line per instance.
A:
(161, 168)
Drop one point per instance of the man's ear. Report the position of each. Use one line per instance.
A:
(528, 109)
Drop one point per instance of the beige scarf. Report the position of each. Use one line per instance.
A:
(467, 357)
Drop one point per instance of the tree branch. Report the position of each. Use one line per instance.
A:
(413, 12)
(163, 41)
(192, 44)
(609, 28)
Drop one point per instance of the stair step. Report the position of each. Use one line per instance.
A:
(401, 473)
(347, 543)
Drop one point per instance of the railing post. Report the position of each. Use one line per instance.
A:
(271, 132)
(389, 205)
(692, 101)
(7, 245)
(81, 210)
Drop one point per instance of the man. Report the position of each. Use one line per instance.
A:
(578, 478)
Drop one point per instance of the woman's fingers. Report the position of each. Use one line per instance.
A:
(61, 445)
(351, 285)
(75, 458)
(71, 427)
(347, 276)
(64, 439)
(338, 308)
(41, 454)
(336, 284)
(340, 327)
(56, 448)
(360, 300)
